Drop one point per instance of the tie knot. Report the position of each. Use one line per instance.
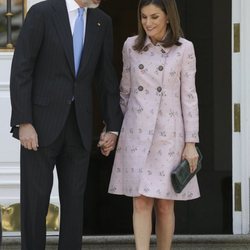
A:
(80, 11)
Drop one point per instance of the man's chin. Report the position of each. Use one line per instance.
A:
(92, 5)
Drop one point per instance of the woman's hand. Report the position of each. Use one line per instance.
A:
(107, 142)
(191, 155)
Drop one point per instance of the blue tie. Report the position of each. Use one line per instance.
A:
(78, 38)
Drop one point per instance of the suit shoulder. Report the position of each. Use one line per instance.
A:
(41, 6)
(101, 14)
(37, 11)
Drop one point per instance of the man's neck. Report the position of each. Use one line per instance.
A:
(81, 3)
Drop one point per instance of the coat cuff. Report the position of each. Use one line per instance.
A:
(192, 137)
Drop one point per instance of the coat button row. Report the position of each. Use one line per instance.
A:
(140, 88)
(141, 66)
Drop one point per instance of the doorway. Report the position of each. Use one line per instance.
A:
(208, 25)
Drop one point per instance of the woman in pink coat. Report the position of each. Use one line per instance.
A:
(160, 127)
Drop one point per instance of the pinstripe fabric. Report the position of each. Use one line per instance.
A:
(42, 85)
(42, 77)
(36, 183)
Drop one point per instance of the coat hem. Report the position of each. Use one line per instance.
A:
(157, 197)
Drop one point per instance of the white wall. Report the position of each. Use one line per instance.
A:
(241, 95)
(9, 147)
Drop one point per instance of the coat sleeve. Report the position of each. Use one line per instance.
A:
(107, 83)
(23, 64)
(125, 85)
(189, 99)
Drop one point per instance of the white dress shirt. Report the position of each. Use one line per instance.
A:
(72, 8)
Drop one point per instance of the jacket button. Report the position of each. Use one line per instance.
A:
(140, 88)
(145, 48)
(141, 66)
(159, 89)
(69, 102)
(160, 68)
(163, 51)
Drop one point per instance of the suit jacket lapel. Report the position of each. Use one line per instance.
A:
(61, 22)
(92, 28)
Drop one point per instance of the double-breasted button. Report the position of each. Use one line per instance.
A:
(141, 66)
(159, 89)
(140, 88)
(160, 67)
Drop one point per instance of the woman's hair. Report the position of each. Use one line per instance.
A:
(174, 31)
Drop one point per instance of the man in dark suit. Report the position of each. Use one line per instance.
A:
(51, 99)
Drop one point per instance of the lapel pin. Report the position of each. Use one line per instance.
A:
(98, 24)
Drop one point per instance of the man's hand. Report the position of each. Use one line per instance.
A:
(28, 136)
(107, 142)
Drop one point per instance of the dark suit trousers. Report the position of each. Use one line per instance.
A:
(71, 160)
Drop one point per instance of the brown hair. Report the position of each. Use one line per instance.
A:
(174, 28)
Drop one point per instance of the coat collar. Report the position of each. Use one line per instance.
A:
(149, 44)
(61, 21)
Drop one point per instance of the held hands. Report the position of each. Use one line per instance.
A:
(107, 142)
(28, 136)
(191, 155)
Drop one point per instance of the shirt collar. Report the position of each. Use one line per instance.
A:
(72, 5)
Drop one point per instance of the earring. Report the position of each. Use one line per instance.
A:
(167, 21)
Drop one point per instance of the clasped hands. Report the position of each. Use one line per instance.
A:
(107, 142)
(29, 139)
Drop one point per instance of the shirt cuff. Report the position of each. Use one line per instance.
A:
(114, 132)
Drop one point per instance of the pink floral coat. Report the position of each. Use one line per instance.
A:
(160, 106)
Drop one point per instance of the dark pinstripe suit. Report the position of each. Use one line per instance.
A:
(42, 87)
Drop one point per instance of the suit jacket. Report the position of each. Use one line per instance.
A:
(43, 82)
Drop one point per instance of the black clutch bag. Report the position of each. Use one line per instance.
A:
(181, 175)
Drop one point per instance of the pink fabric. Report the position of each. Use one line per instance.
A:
(160, 106)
